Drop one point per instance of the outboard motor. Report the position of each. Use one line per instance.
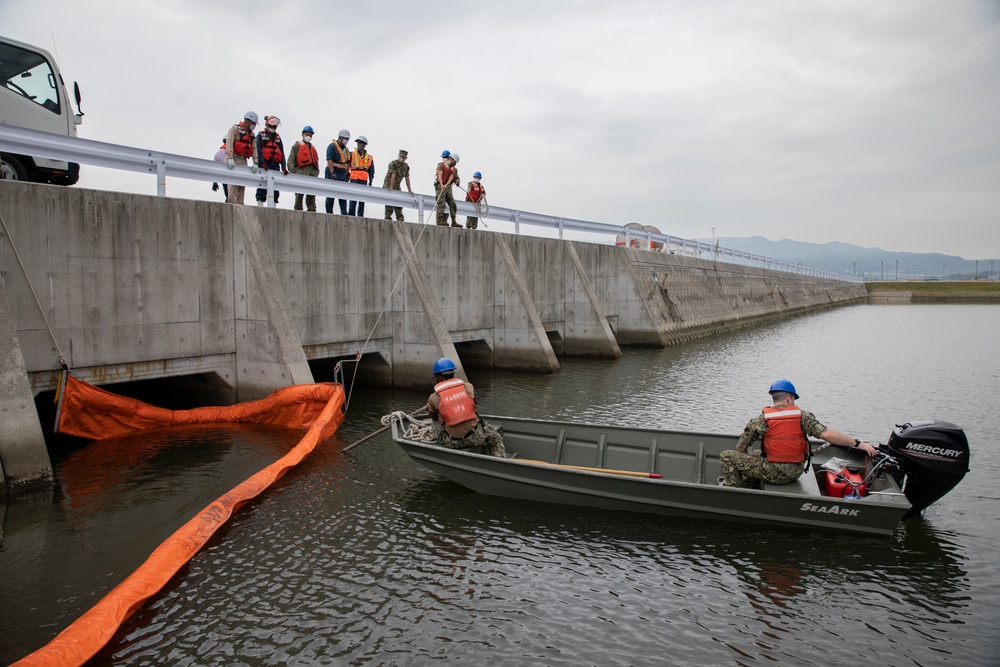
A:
(932, 455)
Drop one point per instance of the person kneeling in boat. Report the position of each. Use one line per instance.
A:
(454, 403)
(782, 429)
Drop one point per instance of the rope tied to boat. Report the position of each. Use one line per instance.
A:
(420, 430)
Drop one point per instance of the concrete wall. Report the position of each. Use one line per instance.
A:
(135, 287)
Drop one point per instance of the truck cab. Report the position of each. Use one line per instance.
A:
(33, 95)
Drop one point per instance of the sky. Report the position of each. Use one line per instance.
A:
(872, 123)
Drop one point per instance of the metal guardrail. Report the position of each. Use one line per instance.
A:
(23, 141)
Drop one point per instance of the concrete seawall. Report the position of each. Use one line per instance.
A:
(247, 300)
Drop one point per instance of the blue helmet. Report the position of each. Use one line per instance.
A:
(477, 175)
(783, 385)
(445, 153)
(444, 365)
(309, 129)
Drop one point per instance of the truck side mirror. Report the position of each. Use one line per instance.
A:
(76, 93)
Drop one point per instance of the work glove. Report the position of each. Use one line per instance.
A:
(253, 169)
(232, 163)
(285, 171)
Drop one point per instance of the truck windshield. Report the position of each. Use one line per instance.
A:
(29, 74)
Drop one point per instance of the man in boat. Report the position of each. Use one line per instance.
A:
(782, 429)
(454, 403)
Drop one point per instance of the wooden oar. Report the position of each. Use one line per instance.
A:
(629, 473)
(381, 430)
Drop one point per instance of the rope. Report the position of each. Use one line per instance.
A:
(62, 359)
(421, 430)
(482, 206)
(350, 390)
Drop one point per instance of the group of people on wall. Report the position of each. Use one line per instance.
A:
(243, 146)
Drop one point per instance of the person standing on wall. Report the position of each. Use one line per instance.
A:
(270, 154)
(239, 148)
(362, 172)
(220, 156)
(474, 193)
(303, 159)
(338, 160)
(395, 174)
(445, 176)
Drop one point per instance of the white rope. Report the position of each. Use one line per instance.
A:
(420, 430)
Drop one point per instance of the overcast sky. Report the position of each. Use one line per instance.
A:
(867, 122)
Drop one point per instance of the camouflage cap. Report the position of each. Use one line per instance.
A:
(402, 153)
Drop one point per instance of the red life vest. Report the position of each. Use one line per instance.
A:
(304, 158)
(456, 404)
(474, 192)
(446, 172)
(270, 148)
(784, 441)
(360, 165)
(243, 143)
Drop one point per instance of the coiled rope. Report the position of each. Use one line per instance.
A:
(421, 430)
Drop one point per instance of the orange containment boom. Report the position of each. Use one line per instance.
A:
(90, 412)
(320, 403)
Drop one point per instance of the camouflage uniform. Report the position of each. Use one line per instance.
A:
(402, 171)
(483, 437)
(747, 470)
(307, 170)
(446, 198)
(471, 433)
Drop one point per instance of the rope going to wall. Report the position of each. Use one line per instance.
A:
(62, 359)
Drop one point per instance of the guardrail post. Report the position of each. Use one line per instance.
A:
(517, 223)
(161, 177)
(270, 190)
(560, 223)
(420, 209)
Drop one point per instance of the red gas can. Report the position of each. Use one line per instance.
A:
(845, 483)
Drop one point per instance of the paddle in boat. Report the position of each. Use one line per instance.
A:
(673, 473)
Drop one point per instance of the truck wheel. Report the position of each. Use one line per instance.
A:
(11, 168)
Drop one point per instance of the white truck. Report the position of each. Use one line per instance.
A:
(34, 95)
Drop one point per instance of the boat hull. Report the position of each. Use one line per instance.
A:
(673, 454)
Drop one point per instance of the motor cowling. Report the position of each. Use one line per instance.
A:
(934, 455)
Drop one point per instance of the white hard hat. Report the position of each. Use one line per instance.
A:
(454, 156)
(344, 134)
(251, 116)
(362, 138)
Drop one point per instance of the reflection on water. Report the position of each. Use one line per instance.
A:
(366, 558)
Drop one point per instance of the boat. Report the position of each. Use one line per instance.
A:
(674, 473)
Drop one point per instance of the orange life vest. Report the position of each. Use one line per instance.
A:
(343, 156)
(243, 143)
(270, 148)
(456, 404)
(306, 155)
(360, 165)
(475, 191)
(784, 441)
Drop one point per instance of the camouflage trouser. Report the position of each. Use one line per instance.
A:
(398, 210)
(471, 223)
(449, 199)
(310, 202)
(748, 470)
(483, 437)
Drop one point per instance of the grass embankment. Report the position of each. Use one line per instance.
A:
(940, 289)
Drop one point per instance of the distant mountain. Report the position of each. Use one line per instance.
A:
(870, 263)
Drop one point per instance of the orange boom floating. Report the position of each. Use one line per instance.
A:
(93, 413)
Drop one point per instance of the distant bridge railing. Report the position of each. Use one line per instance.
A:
(22, 141)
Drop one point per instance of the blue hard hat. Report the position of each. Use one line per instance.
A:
(309, 129)
(477, 175)
(445, 153)
(783, 385)
(444, 365)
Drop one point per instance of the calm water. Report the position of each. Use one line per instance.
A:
(365, 558)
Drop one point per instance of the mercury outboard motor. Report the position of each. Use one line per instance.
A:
(932, 457)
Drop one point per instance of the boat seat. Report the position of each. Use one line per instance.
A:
(806, 484)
